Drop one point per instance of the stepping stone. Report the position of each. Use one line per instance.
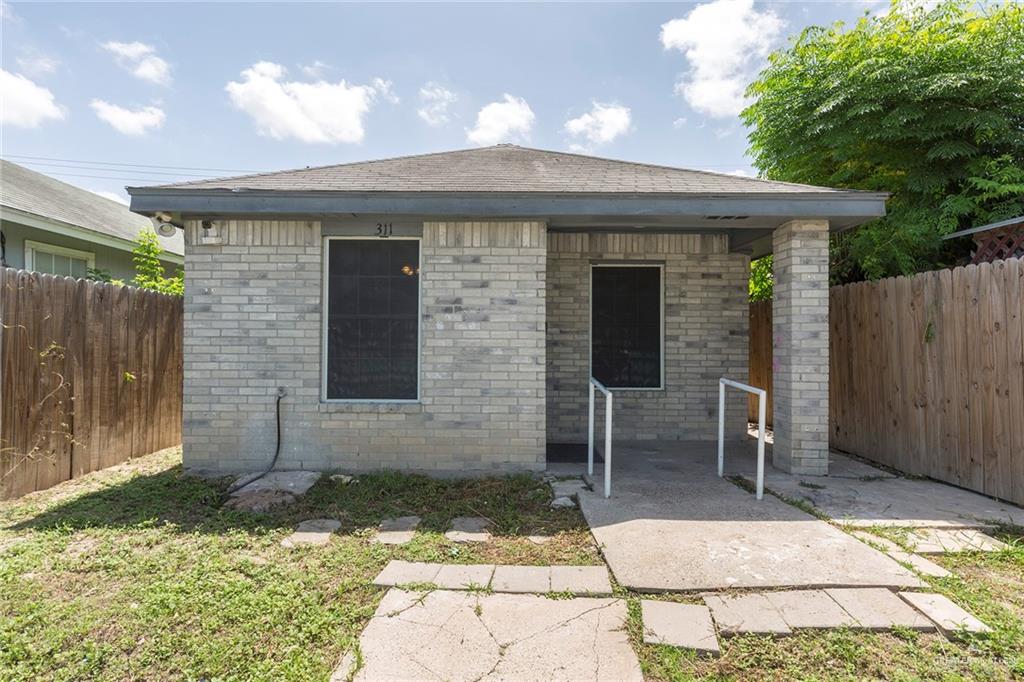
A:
(920, 564)
(876, 608)
(687, 626)
(746, 613)
(318, 526)
(469, 529)
(406, 573)
(397, 531)
(951, 619)
(590, 580)
(943, 540)
(562, 503)
(568, 488)
(809, 609)
(312, 532)
(522, 579)
(464, 576)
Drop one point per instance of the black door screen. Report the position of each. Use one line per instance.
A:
(626, 326)
(372, 319)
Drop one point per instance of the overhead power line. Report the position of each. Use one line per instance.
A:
(129, 165)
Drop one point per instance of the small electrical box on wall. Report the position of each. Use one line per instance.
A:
(209, 233)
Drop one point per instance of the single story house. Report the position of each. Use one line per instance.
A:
(50, 226)
(445, 312)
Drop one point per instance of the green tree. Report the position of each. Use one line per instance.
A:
(926, 105)
(149, 271)
(761, 281)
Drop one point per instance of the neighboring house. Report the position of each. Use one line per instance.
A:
(445, 312)
(51, 226)
(995, 241)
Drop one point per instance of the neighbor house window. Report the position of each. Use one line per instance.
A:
(57, 260)
(372, 319)
(626, 325)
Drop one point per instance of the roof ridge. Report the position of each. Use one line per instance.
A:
(286, 171)
(662, 166)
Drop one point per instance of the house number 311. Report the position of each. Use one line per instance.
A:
(384, 230)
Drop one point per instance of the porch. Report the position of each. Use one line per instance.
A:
(673, 525)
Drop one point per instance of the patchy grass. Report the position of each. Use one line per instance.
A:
(139, 572)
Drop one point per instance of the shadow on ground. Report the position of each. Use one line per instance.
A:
(515, 505)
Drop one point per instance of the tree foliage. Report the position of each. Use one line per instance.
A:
(149, 271)
(926, 105)
(761, 280)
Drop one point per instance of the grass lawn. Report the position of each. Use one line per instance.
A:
(139, 572)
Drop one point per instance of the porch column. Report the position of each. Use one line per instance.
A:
(800, 346)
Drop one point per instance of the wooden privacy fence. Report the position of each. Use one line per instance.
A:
(927, 374)
(91, 377)
(759, 353)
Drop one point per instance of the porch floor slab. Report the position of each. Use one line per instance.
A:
(673, 525)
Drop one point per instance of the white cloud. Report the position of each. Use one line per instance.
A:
(129, 121)
(7, 14)
(679, 123)
(140, 60)
(504, 121)
(314, 70)
(35, 64)
(25, 104)
(602, 124)
(434, 102)
(310, 112)
(725, 42)
(113, 196)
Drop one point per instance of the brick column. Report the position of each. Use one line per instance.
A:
(800, 346)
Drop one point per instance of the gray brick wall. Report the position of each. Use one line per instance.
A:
(706, 320)
(800, 348)
(252, 323)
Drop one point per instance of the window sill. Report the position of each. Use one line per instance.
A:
(372, 407)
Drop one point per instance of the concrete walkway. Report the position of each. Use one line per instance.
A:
(456, 636)
(858, 494)
(673, 525)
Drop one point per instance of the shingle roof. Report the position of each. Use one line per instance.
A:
(25, 190)
(502, 168)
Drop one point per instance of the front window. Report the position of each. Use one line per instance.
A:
(372, 319)
(626, 325)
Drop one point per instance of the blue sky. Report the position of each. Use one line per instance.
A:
(270, 86)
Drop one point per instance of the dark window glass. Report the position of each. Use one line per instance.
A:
(372, 319)
(626, 326)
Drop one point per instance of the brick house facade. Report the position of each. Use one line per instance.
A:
(509, 277)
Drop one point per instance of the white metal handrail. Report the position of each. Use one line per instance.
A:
(762, 399)
(594, 383)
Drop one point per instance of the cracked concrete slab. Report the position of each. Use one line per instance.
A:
(406, 573)
(592, 580)
(466, 636)
(672, 524)
(292, 482)
(920, 564)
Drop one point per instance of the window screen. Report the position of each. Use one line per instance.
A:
(372, 319)
(626, 326)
